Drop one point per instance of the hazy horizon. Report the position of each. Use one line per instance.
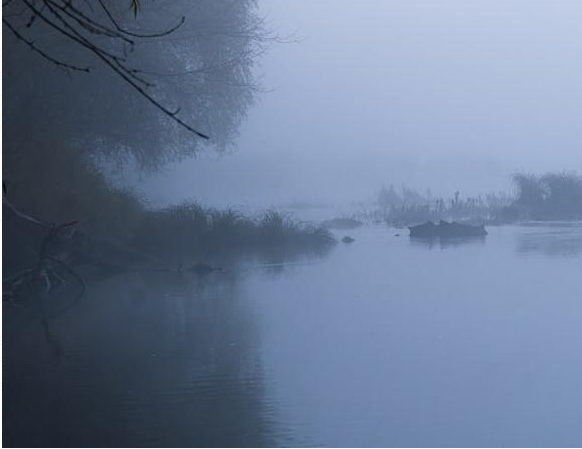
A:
(261, 288)
(451, 96)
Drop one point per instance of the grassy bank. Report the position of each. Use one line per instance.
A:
(59, 186)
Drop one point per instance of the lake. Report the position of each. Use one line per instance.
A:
(382, 342)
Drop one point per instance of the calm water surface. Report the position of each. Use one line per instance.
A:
(384, 342)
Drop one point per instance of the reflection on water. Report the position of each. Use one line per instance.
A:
(551, 239)
(446, 242)
(146, 360)
(380, 343)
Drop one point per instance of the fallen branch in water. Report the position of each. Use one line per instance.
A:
(24, 216)
(46, 266)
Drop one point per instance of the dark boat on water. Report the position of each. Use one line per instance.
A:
(446, 230)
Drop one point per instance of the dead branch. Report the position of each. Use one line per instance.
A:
(46, 263)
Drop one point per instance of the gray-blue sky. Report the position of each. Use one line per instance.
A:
(444, 94)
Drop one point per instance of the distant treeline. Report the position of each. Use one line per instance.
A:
(553, 196)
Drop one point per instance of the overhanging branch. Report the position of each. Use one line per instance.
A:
(72, 23)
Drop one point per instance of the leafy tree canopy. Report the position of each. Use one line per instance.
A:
(147, 79)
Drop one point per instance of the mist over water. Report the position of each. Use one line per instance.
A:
(448, 95)
(470, 344)
(380, 244)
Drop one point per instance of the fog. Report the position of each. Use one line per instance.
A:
(283, 223)
(451, 95)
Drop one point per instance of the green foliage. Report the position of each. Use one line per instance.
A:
(134, 5)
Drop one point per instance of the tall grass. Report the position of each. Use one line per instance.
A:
(189, 230)
(553, 196)
(60, 185)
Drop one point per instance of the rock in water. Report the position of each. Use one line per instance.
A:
(446, 229)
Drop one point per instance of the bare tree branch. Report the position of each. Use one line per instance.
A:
(129, 33)
(33, 47)
(69, 21)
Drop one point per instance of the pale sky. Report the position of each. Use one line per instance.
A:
(451, 95)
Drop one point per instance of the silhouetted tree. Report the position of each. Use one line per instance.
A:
(530, 192)
(564, 195)
(554, 195)
(191, 61)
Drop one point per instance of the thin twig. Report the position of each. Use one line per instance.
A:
(115, 62)
(130, 33)
(33, 47)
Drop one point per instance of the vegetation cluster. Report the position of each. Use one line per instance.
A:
(553, 196)
(118, 223)
(409, 207)
(149, 83)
